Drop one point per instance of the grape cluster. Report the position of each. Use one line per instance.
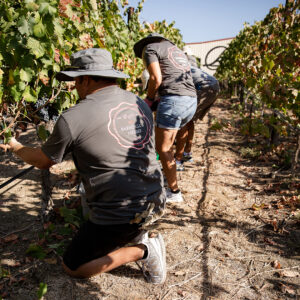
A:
(48, 112)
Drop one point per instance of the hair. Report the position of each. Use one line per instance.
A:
(105, 79)
(98, 78)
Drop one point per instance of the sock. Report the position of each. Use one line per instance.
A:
(175, 192)
(145, 253)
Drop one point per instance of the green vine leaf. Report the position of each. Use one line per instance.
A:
(43, 133)
(42, 290)
(23, 26)
(35, 47)
(46, 8)
(39, 30)
(29, 95)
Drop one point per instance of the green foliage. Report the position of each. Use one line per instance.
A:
(43, 133)
(4, 273)
(70, 215)
(265, 58)
(249, 152)
(42, 290)
(218, 125)
(7, 133)
(38, 37)
(36, 251)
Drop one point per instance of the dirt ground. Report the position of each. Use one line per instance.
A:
(234, 237)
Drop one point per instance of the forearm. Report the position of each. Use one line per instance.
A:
(32, 156)
(154, 80)
(152, 89)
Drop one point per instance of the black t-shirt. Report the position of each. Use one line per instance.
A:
(175, 68)
(110, 135)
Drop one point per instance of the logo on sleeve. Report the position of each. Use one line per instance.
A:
(129, 126)
(178, 59)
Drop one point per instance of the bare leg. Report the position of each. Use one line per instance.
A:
(164, 139)
(181, 139)
(108, 262)
(190, 137)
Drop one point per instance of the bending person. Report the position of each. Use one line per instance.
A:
(171, 79)
(110, 135)
(207, 87)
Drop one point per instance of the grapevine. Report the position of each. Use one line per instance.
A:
(264, 60)
(38, 38)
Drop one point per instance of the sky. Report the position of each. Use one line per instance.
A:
(206, 20)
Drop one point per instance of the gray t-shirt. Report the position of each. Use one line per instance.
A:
(192, 60)
(175, 68)
(110, 135)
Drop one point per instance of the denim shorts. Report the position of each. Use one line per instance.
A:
(173, 111)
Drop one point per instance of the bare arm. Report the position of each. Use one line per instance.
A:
(154, 80)
(33, 156)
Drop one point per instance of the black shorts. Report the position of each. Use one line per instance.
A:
(94, 241)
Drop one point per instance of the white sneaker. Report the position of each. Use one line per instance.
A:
(154, 265)
(173, 197)
(143, 236)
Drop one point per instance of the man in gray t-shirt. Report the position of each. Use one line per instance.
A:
(110, 136)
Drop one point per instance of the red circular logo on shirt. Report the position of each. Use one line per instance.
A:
(178, 59)
(129, 126)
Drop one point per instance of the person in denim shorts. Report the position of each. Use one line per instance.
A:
(207, 87)
(171, 80)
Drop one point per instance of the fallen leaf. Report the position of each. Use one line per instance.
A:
(179, 273)
(268, 241)
(57, 236)
(51, 261)
(182, 293)
(200, 248)
(287, 289)
(289, 273)
(10, 238)
(173, 213)
(10, 262)
(28, 259)
(258, 207)
(275, 225)
(276, 264)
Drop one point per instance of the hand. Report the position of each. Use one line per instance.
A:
(152, 103)
(13, 143)
(11, 146)
(149, 101)
(4, 147)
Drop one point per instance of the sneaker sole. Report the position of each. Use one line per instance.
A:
(174, 201)
(163, 250)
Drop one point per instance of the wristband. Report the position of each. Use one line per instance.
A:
(150, 99)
